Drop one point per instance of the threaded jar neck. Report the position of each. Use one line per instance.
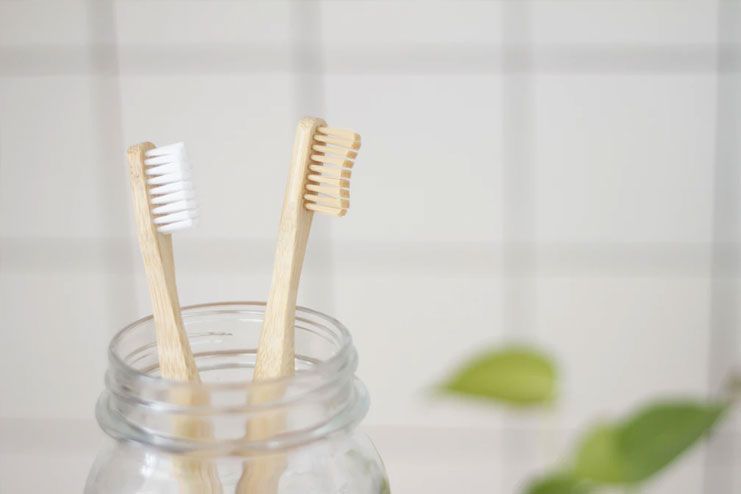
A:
(322, 398)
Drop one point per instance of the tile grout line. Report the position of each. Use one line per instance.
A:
(479, 58)
(109, 152)
(310, 95)
(2, 253)
(518, 190)
(518, 289)
(622, 260)
(724, 292)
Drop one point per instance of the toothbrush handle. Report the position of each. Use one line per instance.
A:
(176, 360)
(275, 353)
(175, 355)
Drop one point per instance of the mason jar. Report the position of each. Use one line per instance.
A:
(176, 437)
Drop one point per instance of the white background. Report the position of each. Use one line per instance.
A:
(563, 173)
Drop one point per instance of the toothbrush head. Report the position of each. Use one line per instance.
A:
(170, 188)
(333, 152)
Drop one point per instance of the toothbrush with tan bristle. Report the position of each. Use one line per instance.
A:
(319, 178)
(164, 203)
(318, 181)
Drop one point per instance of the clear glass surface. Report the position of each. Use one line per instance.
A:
(172, 437)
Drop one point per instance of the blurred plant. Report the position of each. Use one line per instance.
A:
(623, 454)
(516, 376)
(629, 452)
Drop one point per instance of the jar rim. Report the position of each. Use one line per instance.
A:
(142, 406)
(330, 365)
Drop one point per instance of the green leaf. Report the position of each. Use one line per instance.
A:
(516, 376)
(559, 483)
(598, 458)
(657, 435)
(639, 447)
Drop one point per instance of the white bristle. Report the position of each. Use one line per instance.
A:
(174, 207)
(180, 195)
(173, 187)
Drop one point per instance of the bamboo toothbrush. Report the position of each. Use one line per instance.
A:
(163, 201)
(318, 181)
(160, 176)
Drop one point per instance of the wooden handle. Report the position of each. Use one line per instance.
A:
(175, 356)
(173, 348)
(275, 351)
(275, 354)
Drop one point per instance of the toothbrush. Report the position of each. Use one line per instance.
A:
(318, 181)
(163, 200)
(161, 177)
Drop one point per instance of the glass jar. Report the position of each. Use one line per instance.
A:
(174, 437)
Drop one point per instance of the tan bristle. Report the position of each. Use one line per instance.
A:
(348, 153)
(339, 133)
(331, 167)
(334, 160)
(329, 191)
(337, 182)
(326, 209)
(328, 201)
(332, 192)
(348, 143)
(331, 172)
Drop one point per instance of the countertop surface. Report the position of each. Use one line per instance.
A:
(424, 460)
(43, 455)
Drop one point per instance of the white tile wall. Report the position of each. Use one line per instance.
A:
(168, 23)
(390, 24)
(53, 321)
(238, 131)
(632, 22)
(624, 158)
(646, 337)
(729, 15)
(48, 175)
(597, 152)
(41, 22)
(410, 329)
(433, 175)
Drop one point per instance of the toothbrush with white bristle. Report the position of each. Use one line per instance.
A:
(164, 202)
